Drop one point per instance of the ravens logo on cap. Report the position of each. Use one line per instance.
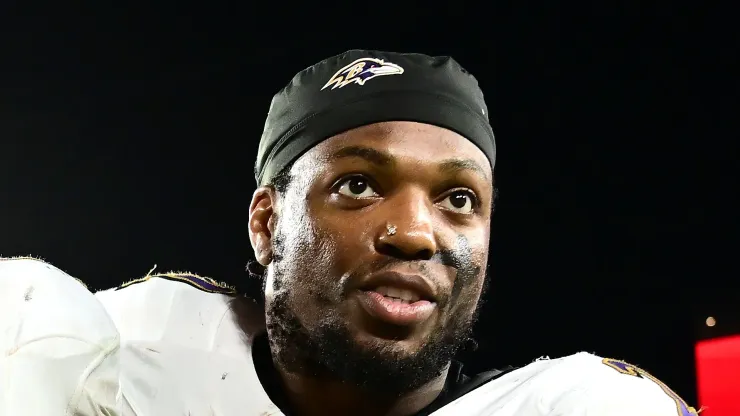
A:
(362, 70)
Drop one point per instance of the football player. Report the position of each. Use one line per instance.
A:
(370, 226)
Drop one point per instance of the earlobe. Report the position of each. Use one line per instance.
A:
(261, 224)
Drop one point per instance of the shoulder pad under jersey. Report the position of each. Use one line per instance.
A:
(50, 324)
(580, 384)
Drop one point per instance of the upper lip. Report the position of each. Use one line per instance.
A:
(412, 282)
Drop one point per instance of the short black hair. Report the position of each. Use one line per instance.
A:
(254, 286)
(281, 181)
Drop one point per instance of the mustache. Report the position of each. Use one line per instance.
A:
(447, 258)
(459, 258)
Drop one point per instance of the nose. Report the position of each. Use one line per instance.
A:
(408, 232)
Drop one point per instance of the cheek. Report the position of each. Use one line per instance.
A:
(469, 295)
(481, 257)
(311, 252)
(470, 280)
(344, 238)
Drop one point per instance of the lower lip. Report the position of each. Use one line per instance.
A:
(398, 313)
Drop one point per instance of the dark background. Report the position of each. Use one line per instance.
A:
(128, 135)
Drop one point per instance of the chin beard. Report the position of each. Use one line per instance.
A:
(328, 352)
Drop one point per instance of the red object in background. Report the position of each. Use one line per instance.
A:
(718, 376)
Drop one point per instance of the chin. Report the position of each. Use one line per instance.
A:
(402, 345)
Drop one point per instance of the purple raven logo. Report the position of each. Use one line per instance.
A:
(362, 70)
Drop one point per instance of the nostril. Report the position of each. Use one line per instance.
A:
(397, 252)
(391, 251)
(424, 254)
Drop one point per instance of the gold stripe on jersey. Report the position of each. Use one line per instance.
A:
(203, 283)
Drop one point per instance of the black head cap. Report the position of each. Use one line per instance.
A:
(361, 87)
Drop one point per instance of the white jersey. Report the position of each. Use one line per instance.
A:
(181, 351)
(58, 347)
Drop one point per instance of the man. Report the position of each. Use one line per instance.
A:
(370, 226)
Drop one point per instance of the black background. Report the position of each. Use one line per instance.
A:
(128, 135)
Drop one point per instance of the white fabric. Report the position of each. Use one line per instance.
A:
(183, 353)
(577, 385)
(58, 347)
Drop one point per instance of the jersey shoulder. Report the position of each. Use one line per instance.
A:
(167, 320)
(588, 383)
(49, 301)
(581, 383)
(626, 386)
(176, 307)
(51, 324)
(202, 283)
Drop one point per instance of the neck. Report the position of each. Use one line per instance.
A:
(314, 397)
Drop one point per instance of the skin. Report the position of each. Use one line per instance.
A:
(327, 233)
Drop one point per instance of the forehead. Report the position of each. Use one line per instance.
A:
(405, 140)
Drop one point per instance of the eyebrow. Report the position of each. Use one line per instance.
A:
(371, 155)
(383, 159)
(461, 165)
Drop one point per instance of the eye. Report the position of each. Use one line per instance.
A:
(356, 187)
(461, 202)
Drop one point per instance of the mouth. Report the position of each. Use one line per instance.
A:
(398, 299)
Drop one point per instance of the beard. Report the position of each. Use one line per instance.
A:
(328, 351)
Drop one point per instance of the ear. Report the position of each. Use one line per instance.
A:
(262, 223)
